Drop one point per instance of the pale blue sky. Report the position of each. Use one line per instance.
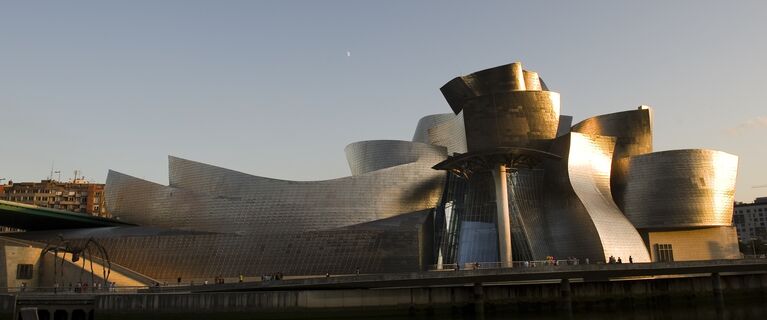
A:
(267, 88)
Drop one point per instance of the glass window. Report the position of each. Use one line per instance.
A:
(664, 252)
(24, 271)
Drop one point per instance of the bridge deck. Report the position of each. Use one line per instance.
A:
(591, 272)
(28, 217)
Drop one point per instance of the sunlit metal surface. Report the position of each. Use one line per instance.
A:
(564, 185)
(511, 119)
(589, 165)
(577, 205)
(209, 198)
(681, 189)
(369, 156)
(501, 79)
(268, 225)
(633, 130)
(503, 108)
(450, 134)
(421, 133)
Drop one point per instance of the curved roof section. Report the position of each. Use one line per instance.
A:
(209, 198)
(369, 156)
(681, 189)
(421, 133)
(450, 134)
(500, 79)
(633, 132)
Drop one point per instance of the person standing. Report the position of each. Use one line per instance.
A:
(631, 259)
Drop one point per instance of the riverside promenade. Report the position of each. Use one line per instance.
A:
(562, 290)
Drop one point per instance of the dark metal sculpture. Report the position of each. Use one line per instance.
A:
(85, 251)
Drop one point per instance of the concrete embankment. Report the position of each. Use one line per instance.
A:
(7, 304)
(562, 296)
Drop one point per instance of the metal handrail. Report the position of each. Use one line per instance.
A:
(501, 265)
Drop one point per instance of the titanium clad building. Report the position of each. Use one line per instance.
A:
(504, 178)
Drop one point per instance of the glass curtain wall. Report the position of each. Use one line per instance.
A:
(465, 222)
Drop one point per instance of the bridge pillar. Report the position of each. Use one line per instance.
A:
(565, 296)
(716, 286)
(479, 301)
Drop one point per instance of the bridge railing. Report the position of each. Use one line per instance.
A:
(501, 265)
(21, 290)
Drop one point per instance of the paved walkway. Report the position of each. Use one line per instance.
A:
(591, 272)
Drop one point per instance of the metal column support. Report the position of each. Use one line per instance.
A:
(502, 205)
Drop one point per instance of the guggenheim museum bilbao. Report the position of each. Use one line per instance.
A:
(504, 177)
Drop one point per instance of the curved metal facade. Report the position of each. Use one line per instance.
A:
(450, 134)
(263, 225)
(208, 198)
(505, 78)
(504, 106)
(213, 221)
(511, 119)
(426, 123)
(575, 215)
(589, 167)
(681, 189)
(369, 156)
(633, 131)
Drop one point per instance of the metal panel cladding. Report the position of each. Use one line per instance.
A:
(511, 119)
(450, 134)
(504, 106)
(580, 217)
(369, 156)
(442, 130)
(505, 78)
(253, 225)
(424, 124)
(208, 198)
(589, 165)
(633, 130)
(681, 188)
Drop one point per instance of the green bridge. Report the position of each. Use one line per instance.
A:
(30, 218)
